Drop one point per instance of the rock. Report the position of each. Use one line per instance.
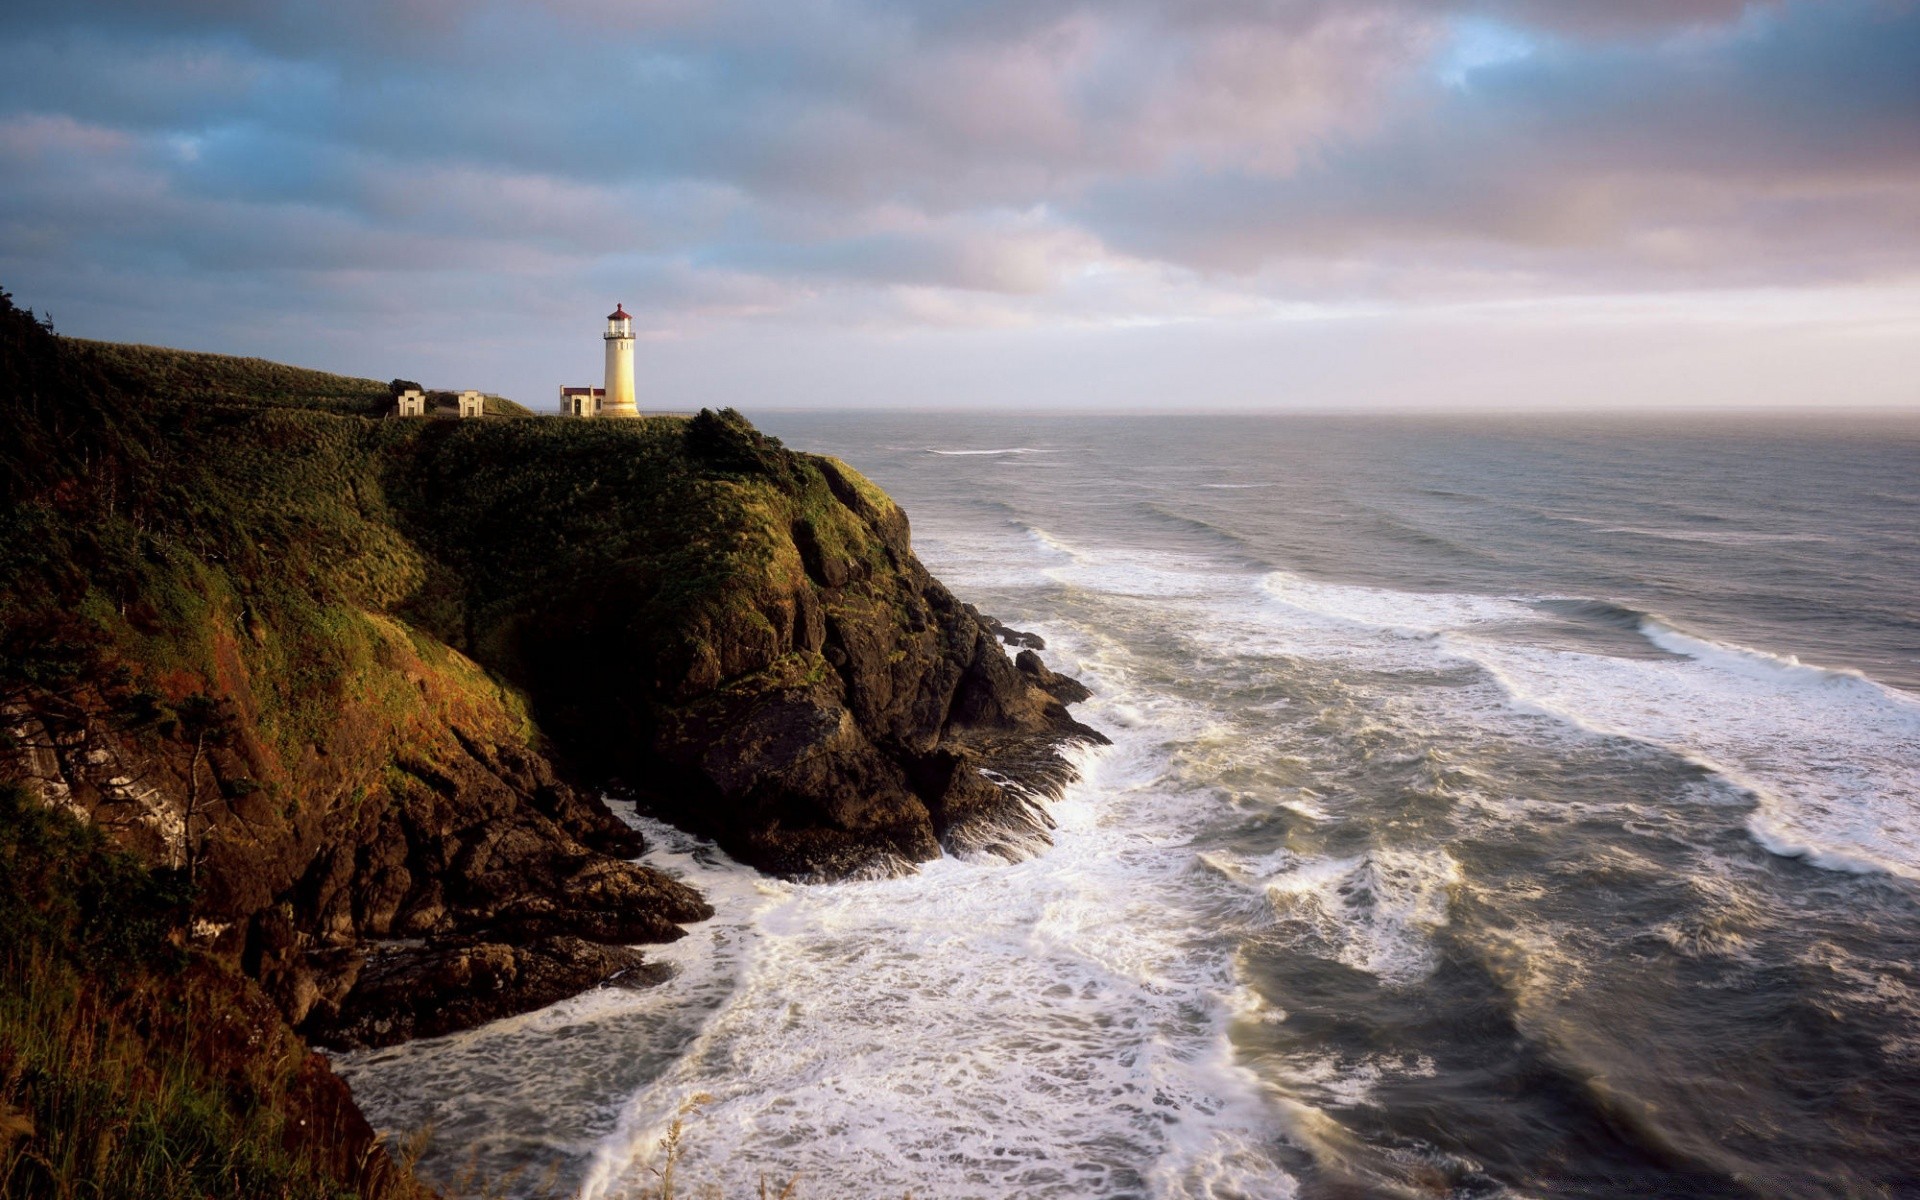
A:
(1013, 637)
(915, 732)
(1063, 688)
(425, 991)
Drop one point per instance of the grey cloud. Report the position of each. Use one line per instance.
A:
(1789, 152)
(845, 159)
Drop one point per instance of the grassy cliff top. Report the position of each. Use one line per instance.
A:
(190, 375)
(198, 376)
(161, 501)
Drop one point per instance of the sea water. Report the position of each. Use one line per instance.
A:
(1496, 808)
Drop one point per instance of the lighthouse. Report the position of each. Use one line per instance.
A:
(619, 339)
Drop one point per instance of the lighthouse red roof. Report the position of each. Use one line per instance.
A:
(620, 313)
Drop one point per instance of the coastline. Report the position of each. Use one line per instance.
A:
(369, 728)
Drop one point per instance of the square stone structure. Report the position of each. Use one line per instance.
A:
(472, 404)
(412, 403)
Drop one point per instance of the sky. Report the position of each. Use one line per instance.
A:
(1182, 205)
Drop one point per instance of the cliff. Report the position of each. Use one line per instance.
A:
(358, 684)
(736, 635)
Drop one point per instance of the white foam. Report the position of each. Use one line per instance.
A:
(1056, 1027)
(1376, 912)
(1137, 573)
(1830, 757)
(1350, 1083)
(1000, 453)
(1410, 612)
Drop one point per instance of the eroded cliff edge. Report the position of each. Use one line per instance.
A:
(363, 680)
(738, 636)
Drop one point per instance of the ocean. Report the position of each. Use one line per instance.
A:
(1497, 807)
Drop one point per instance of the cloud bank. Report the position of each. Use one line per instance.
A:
(859, 190)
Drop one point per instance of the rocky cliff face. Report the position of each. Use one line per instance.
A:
(918, 734)
(363, 680)
(822, 706)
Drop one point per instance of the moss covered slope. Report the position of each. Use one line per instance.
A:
(356, 680)
(737, 634)
(199, 651)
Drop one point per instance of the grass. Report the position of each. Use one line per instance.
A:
(178, 526)
(500, 406)
(203, 515)
(225, 378)
(130, 1067)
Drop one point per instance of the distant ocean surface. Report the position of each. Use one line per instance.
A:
(1496, 808)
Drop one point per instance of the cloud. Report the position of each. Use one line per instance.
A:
(943, 164)
(1788, 149)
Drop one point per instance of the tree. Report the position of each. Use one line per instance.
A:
(208, 723)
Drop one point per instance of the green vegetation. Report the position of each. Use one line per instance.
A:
(500, 406)
(197, 567)
(666, 560)
(186, 516)
(197, 523)
(275, 599)
(131, 1068)
(223, 378)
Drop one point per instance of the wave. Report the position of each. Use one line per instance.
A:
(1597, 612)
(1746, 659)
(998, 453)
(1408, 532)
(1717, 537)
(1827, 755)
(1052, 1028)
(1422, 613)
(1375, 913)
(1053, 543)
(1242, 550)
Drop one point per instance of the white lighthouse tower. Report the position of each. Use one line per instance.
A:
(619, 339)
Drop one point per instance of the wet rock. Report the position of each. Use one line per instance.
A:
(424, 991)
(1012, 637)
(914, 730)
(1063, 688)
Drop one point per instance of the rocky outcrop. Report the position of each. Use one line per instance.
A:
(1063, 688)
(366, 682)
(1014, 637)
(833, 711)
(406, 991)
(438, 852)
(357, 687)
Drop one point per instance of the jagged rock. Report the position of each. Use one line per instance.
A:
(1012, 637)
(1063, 688)
(424, 991)
(923, 728)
